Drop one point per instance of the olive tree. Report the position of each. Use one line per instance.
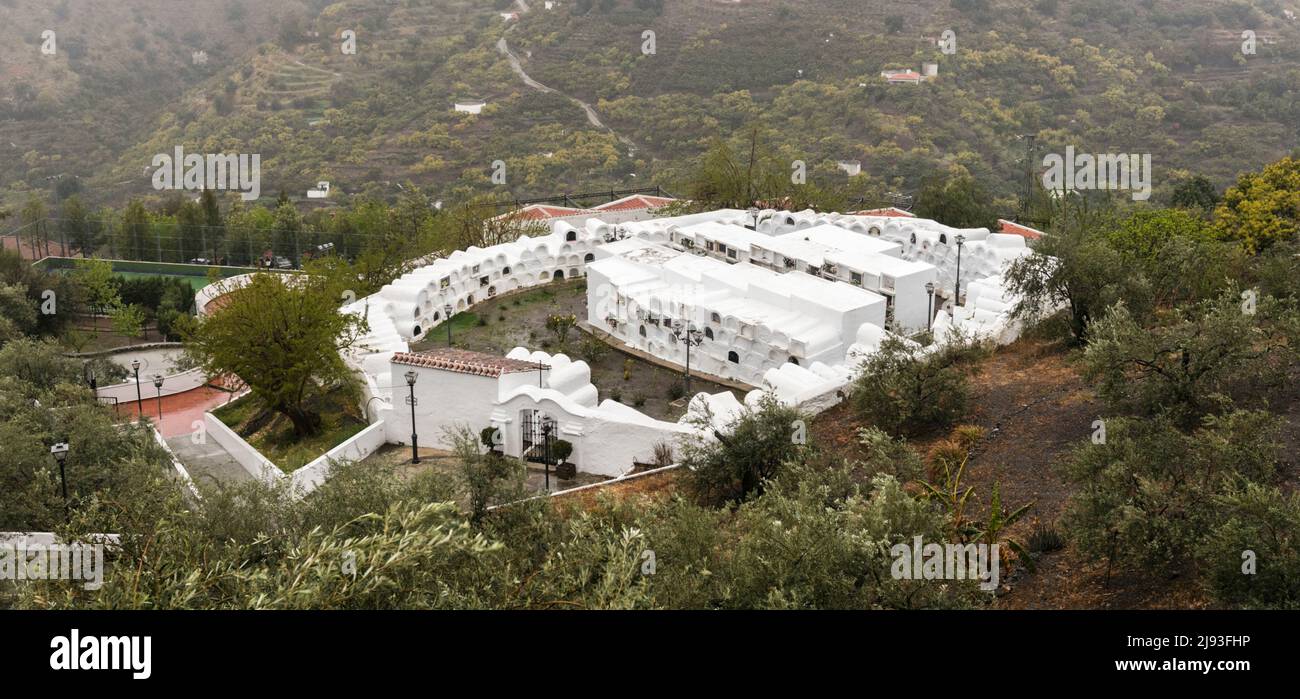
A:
(282, 335)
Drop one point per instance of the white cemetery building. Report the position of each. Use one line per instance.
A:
(528, 397)
(794, 311)
(751, 319)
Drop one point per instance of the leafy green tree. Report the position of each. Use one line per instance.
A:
(94, 277)
(288, 233)
(1260, 528)
(192, 237)
(957, 200)
(281, 335)
(1148, 494)
(1179, 255)
(77, 228)
(1196, 192)
(754, 174)
(38, 364)
(735, 462)
(1077, 270)
(1194, 357)
(1262, 208)
(137, 234)
(18, 313)
(128, 320)
(212, 218)
(34, 220)
(903, 391)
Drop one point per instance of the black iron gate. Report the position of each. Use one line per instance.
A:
(538, 431)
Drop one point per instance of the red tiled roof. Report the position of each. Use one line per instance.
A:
(887, 211)
(541, 212)
(635, 202)
(1017, 229)
(465, 362)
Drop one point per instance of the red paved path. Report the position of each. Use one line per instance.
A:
(180, 411)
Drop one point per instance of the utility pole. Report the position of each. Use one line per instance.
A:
(1030, 150)
(749, 174)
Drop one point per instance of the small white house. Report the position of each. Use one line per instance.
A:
(322, 190)
(470, 106)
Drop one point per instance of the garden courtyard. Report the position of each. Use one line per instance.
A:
(519, 319)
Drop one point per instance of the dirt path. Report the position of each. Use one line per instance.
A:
(517, 66)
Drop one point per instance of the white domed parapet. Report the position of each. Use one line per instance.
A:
(569, 378)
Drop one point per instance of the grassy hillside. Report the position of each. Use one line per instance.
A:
(116, 67)
(1165, 77)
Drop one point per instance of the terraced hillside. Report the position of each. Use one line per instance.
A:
(115, 68)
(1165, 77)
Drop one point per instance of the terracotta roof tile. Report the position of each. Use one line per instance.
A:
(887, 211)
(635, 203)
(465, 362)
(1018, 229)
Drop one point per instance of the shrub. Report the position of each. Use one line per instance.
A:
(1147, 496)
(561, 450)
(1252, 559)
(1045, 539)
(741, 455)
(485, 478)
(488, 436)
(904, 392)
(1188, 361)
(592, 349)
(676, 390)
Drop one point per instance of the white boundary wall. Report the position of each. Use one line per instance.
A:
(303, 480)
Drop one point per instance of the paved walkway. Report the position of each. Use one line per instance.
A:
(208, 463)
(154, 360)
(180, 412)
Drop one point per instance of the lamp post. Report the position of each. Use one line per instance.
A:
(411, 376)
(753, 214)
(139, 400)
(956, 293)
(60, 452)
(547, 428)
(157, 383)
(692, 336)
(929, 304)
(446, 310)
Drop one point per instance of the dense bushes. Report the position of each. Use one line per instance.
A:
(1193, 357)
(164, 298)
(905, 391)
(742, 455)
(1150, 493)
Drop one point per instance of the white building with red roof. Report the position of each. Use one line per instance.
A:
(887, 211)
(635, 207)
(1005, 226)
(528, 398)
